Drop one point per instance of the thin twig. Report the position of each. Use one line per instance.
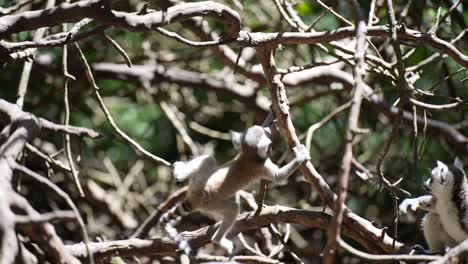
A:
(335, 14)
(68, 151)
(334, 231)
(26, 73)
(283, 242)
(192, 43)
(374, 257)
(435, 107)
(208, 131)
(402, 90)
(263, 183)
(47, 158)
(171, 114)
(109, 118)
(55, 216)
(248, 247)
(120, 50)
(326, 119)
(439, 21)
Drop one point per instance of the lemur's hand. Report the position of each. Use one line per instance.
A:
(412, 203)
(301, 153)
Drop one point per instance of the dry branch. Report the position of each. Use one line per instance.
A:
(281, 109)
(67, 13)
(334, 231)
(23, 127)
(255, 39)
(247, 221)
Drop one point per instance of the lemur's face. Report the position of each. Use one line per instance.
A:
(441, 179)
(264, 142)
(258, 139)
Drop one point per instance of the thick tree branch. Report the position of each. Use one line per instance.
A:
(248, 221)
(281, 109)
(256, 39)
(67, 13)
(24, 126)
(334, 231)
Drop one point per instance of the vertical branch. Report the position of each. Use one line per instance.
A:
(179, 126)
(280, 108)
(263, 183)
(68, 151)
(352, 127)
(24, 80)
(402, 90)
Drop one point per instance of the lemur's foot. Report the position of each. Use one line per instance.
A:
(228, 245)
(420, 250)
(185, 247)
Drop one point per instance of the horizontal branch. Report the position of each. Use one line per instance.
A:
(13, 112)
(163, 247)
(151, 21)
(51, 217)
(153, 74)
(258, 39)
(147, 75)
(67, 13)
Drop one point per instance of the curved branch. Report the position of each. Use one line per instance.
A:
(281, 109)
(256, 39)
(247, 221)
(13, 112)
(66, 13)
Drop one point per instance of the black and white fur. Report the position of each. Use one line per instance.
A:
(212, 187)
(446, 223)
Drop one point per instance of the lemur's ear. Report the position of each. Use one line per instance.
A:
(441, 164)
(458, 163)
(236, 138)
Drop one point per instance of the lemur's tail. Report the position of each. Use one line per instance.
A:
(173, 216)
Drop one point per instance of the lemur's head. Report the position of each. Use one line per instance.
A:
(255, 141)
(445, 178)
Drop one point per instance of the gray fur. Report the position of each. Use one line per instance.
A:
(212, 187)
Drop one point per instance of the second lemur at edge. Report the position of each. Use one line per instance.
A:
(446, 223)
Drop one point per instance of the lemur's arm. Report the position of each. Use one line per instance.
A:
(425, 203)
(276, 174)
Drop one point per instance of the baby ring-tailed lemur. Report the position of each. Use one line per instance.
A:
(211, 188)
(446, 224)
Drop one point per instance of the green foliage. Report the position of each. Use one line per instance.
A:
(136, 111)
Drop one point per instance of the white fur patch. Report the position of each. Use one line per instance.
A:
(263, 147)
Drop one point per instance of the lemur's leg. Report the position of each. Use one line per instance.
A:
(228, 211)
(434, 233)
(204, 164)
